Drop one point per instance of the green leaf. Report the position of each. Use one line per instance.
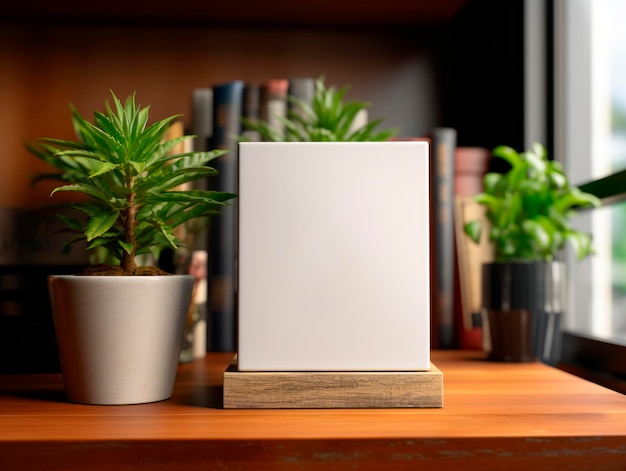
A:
(576, 197)
(508, 247)
(581, 243)
(539, 234)
(509, 154)
(490, 201)
(539, 150)
(199, 210)
(82, 188)
(194, 159)
(126, 246)
(100, 223)
(191, 196)
(516, 176)
(536, 163)
(514, 206)
(104, 167)
(154, 184)
(490, 182)
(473, 229)
(557, 178)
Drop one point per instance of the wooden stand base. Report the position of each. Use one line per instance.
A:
(331, 389)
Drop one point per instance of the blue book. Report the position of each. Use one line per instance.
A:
(222, 316)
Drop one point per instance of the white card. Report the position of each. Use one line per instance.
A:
(333, 263)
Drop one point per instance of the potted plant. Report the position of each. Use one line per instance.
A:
(329, 118)
(528, 210)
(119, 326)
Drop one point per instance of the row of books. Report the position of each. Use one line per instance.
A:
(217, 110)
(457, 172)
(456, 176)
(216, 121)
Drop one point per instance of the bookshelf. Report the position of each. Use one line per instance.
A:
(422, 64)
(61, 53)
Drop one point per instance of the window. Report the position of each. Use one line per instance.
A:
(590, 139)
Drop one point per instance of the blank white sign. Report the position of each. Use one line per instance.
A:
(333, 263)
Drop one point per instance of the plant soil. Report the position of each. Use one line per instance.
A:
(116, 270)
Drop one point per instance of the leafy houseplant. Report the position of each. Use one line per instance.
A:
(122, 345)
(130, 178)
(528, 209)
(329, 118)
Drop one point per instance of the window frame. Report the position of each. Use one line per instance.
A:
(570, 75)
(595, 359)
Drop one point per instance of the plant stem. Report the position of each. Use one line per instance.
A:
(128, 259)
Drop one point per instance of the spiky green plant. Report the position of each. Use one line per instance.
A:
(131, 181)
(529, 208)
(328, 119)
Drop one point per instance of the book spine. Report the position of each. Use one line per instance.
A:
(189, 258)
(201, 118)
(471, 164)
(251, 104)
(273, 104)
(201, 126)
(302, 88)
(222, 318)
(443, 148)
(193, 258)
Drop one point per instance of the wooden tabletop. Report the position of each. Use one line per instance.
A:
(492, 412)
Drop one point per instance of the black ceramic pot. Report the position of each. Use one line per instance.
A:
(522, 308)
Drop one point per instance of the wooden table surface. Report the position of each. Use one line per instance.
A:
(495, 416)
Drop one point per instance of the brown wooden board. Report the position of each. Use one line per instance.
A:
(332, 389)
(497, 415)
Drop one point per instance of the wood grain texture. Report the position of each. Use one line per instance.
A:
(377, 389)
(496, 416)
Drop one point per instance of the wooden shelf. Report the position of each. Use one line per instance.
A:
(495, 416)
(244, 12)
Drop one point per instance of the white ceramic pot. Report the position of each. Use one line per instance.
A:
(119, 337)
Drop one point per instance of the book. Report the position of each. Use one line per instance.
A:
(201, 126)
(222, 316)
(443, 149)
(201, 118)
(302, 88)
(471, 164)
(250, 110)
(273, 103)
(191, 257)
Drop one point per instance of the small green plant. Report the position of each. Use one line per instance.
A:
(130, 181)
(529, 208)
(328, 119)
